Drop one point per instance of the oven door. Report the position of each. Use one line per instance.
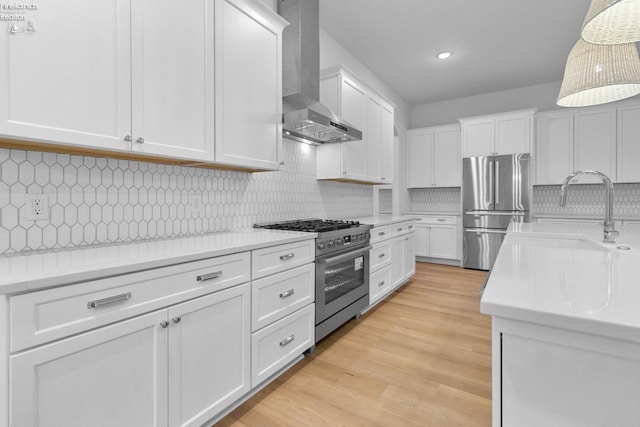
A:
(341, 279)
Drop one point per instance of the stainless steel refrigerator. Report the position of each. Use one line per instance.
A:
(495, 191)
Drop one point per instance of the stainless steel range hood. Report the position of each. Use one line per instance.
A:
(304, 118)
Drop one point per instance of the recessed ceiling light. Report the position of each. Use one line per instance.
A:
(444, 55)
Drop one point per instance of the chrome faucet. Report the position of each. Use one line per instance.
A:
(610, 233)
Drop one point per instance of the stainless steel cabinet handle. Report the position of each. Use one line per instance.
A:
(399, 228)
(286, 340)
(140, 140)
(381, 283)
(288, 293)
(109, 300)
(208, 276)
(381, 233)
(287, 256)
(441, 220)
(381, 256)
(127, 138)
(177, 319)
(164, 323)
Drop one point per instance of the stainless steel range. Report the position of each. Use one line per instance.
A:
(342, 269)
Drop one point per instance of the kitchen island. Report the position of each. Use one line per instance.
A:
(566, 327)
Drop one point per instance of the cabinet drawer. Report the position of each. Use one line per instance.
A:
(281, 342)
(44, 316)
(282, 257)
(402, 228)
(438, 220)
(379, 284)
(281, 294)
(380, 256)
(380, 233)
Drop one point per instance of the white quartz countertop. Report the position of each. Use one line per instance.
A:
(451, 213)
(564, 276)
(382, 219)
(39, 270)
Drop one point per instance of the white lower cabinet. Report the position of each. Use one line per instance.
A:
(437, 237)
(392, 259)
(192, 358)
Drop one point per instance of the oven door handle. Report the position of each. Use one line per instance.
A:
(344, 257)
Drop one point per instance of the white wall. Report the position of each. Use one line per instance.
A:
(331, 54)
(541, 96)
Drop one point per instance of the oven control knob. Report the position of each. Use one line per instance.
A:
(320, 246)
(339, 241)
(330, 244)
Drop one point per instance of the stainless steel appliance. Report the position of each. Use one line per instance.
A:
(342, 269)
(495, 191)
(305, 119)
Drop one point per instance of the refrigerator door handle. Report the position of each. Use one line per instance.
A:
(497, 188)
(485, 231)
(495, 213)
(491, 183)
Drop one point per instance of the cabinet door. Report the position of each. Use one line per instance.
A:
(477, 138)
(387, 143)
(373, 139)
(68, 82)
(172, 79)
(113, 376)
(422, 240)
(444, 241)
(354, 110)
(595, 143)
(397, 261)
(446, 157)
(513, 134)
(554, 148)
(409, 255)
(628, 149)
(420, 158)
(248, 85)
(209, 359)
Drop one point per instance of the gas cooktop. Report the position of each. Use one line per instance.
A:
(311, 225)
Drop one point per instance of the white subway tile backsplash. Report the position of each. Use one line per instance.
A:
(98, 200)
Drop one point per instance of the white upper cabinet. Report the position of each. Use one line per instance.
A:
(507, 133)
(554, 147)
(172, 74)
(433, 157)
(69, 81)
(128, 77)
(369, 160)
(628, 146)
(603, 138)
(248, 84)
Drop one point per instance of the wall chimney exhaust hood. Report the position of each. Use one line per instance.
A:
(304, 118)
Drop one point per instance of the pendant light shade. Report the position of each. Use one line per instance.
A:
(612, 22)
(597, 74)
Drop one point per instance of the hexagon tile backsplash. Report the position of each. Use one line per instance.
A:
(587, 201)
(98, 200)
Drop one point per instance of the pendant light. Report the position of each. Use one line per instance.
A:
(612, 22)
(597, 74)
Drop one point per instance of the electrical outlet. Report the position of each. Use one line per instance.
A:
(195, 200)
(36, 207)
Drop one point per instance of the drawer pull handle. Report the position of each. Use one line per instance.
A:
(381, 283)
(287, 256)
(209, 276)
(399, 228)
(381, 233)
(177, 319)
(441, 220)
(381, 256)
(164, 323)
(410, 227)
(286, 341)
(287, 293)
(109, 300)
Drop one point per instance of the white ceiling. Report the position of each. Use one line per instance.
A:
(496, 44)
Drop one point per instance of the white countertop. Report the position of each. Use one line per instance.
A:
(451, 213)
(382, 219)
(564, 276)
(39, 270)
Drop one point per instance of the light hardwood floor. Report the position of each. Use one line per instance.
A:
(420, 358)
